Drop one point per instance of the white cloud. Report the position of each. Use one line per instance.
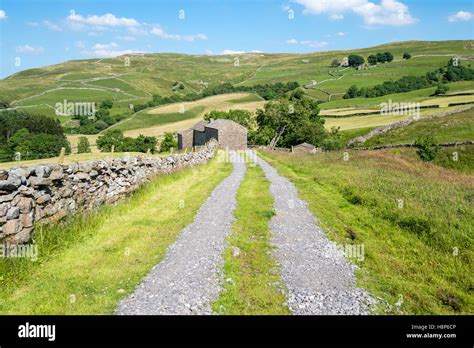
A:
(108, 50)
(387, 12)
(3, 15)
(336, 17)
(80, 44)
(106, 20)
(33, 24)
(29, 49)
(307, 43)
(161, 33)
(52, 26)
(227, 51)
(126, 38)
(461, 16)
(340, 34)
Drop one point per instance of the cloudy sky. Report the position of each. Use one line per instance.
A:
(37, 33)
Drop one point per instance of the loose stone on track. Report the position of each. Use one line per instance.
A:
(319, 279)
(189, 279)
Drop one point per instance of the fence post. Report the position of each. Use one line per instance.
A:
(148, 151)
(61, 155)
(112, 149)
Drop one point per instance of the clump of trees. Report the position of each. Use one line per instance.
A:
(30, 136)
(125, 144)
(266, 91)
(411, 83)
(406, 55)
(354, 60)
(380, 58)
(101, 120)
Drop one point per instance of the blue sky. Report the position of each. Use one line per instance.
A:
(51, 31)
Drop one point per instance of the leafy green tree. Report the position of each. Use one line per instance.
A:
(113, 137)
(388, 56)
(406, 55)
(83, 145)
(355, 60)
(285, 122)
(333, 140)
(143, 144)
(380, 57)
(335, 63)
(169, 141)
(442, 89)
(372, 59)
(106, 104)
(427, 149)
(351, 92)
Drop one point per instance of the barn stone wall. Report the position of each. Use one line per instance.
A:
(49, 193)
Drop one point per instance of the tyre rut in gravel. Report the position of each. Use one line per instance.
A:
(318, 278)
(189, 279)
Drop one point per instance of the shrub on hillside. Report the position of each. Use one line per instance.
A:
(169, 141)
(427, 149)
(83, 145)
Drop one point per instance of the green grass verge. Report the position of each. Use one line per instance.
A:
(255, 286)
(420, 251)
(87, 265)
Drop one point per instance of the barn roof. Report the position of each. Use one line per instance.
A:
(221, 123)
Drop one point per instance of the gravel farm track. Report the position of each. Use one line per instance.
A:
(317, 277)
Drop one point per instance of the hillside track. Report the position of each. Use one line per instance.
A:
(189, 279)
(318, 278)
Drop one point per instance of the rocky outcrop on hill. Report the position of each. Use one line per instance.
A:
(48, 193)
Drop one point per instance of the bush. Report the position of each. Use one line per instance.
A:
(333, 140)
(355, 60)
(83, 145)
(442, 89)
(168, 142)
(406, 55)
(427, 148)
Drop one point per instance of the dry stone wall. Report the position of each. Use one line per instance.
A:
(49, 193)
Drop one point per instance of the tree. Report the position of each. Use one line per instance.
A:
(113, 137)
(351, 92)
(355, 60)
(442, 89)
(286, 122)
(427, 148)
(406, 55)
(106, 104)
(388, 56)
(169, 141)
(380, 57)
(83, 145)
(372, 60)
(335, 63)
(333, 140)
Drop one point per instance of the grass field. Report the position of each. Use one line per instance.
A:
(256, 287)
(88, 264)
(455, 127)
(156, 121)
(413, 218)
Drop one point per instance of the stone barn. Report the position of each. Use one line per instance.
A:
(229, 134)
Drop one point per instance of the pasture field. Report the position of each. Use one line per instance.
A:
(409, 256)
(455, 127)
